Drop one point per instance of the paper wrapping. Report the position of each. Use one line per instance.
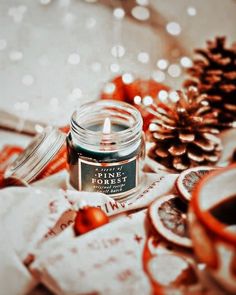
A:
(32, 217)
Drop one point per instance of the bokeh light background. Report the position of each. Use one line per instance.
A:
(57, 54)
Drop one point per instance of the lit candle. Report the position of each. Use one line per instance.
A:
(106, 126)
(106, 130)
(106, 149)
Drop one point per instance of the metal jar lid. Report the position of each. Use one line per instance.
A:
(36, 156)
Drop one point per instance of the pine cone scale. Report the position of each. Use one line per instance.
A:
(159, 136)
(204, 144)
(177, 149)
(211, 158)
(184, 137)
(230, 75)
(230, 107)
(161, 152)
(180, 164)
(228, 88)
(196, 157)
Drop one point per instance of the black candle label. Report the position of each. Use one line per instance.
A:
(108, 178)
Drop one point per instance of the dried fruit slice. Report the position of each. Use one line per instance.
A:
(188, 179)
(171, 271)
(168, 216)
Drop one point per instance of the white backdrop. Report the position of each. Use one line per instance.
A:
(55, 54)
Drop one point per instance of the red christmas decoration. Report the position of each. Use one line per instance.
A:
(144, 88)
(142, 93)
(89, 218)
(7, 155)
(138, 93)
(117, 92)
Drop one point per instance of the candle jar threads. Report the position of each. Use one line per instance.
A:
(106, 149)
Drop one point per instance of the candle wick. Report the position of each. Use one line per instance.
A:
(106, 126)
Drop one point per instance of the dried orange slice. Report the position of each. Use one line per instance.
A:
(168, 216)
(188, 179)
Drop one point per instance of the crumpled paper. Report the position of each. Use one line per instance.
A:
(32, 217)
(105, 261)
(26, 214)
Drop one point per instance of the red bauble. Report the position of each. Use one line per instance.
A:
(89, 218)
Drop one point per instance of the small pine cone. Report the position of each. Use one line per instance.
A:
(214, 74)
(182, 132)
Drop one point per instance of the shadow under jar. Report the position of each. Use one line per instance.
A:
(106, 149)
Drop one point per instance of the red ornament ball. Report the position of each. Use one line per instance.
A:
(89, 218)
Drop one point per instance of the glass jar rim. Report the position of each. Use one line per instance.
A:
(124, 110)
(36, 155)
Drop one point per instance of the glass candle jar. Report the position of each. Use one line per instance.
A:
(106, 149)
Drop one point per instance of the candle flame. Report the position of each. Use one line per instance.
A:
(106, 126)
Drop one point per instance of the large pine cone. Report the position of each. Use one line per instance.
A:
(182, 132)
(214, 73)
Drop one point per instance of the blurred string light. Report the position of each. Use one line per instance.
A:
(74, 59)
(45, 2)
(15, 55)
(163, 95)
(143, 57)
(21, 106)
(119, 13)
(109, 88)
(153, 127)
(118, 51)
(162, 64)
(96, 67)
(27, 80)
(140, 13)
(173, 96)
(68, 19)
(174, 70)
(115, 68)
(17, 13)
(75, 95)
(173, 28)
(147, 100)
(158, 76)
(127, 78)
(137, 99)
(142, 2)
(186, 62)
(191, 11)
